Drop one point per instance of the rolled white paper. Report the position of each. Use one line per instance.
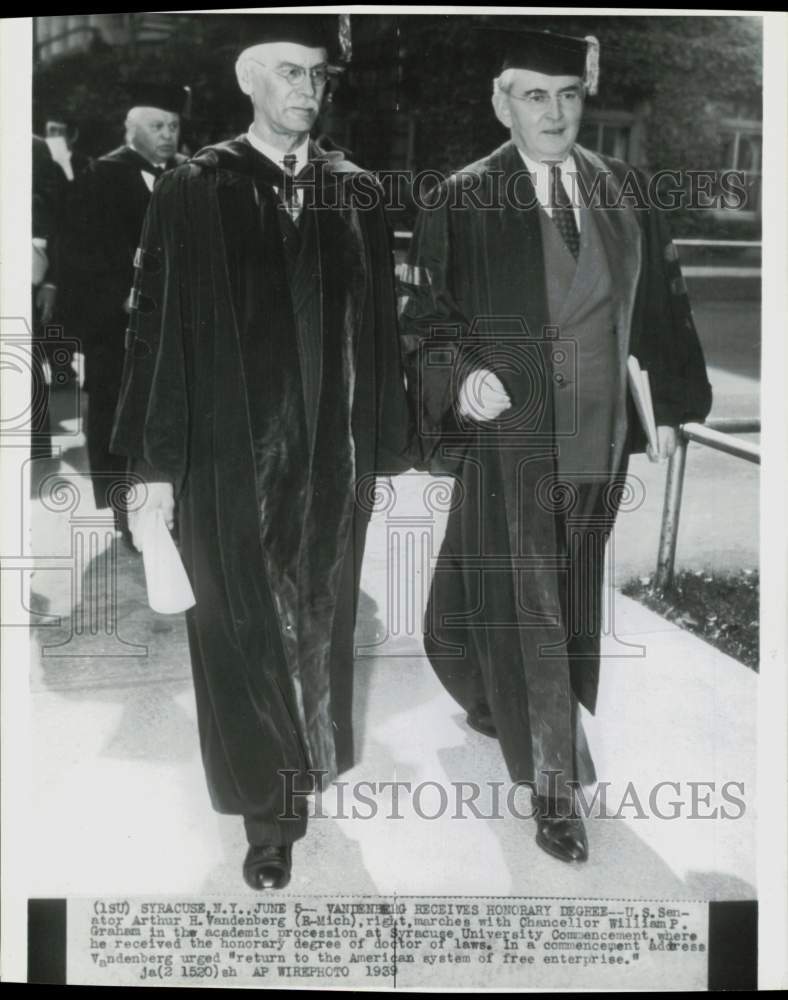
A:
(169, 590)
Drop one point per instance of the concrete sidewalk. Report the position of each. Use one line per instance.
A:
(119, 802)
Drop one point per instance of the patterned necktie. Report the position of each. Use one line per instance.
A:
(563, 213)
(291, 202)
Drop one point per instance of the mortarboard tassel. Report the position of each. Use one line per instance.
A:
(345, 40)
(592, 65)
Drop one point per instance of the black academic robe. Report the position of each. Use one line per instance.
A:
(212, 399)
(474, 291)
(48, 189)
(106, 208)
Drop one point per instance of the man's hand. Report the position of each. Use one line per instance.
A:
(667, 437)
(45, 302)
(160, 497)
(482, 396)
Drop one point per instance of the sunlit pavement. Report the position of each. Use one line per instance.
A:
(119, 803)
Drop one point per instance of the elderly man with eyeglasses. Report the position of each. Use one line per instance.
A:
(531, 280)
(263, 382)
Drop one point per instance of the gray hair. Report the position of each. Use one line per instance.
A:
(132, 121)
(503, 83)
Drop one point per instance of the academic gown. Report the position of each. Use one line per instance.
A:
(474, 297)
(48, 188)
(105, 214)
(213, 401)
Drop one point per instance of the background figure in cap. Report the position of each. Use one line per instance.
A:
(262, 384)
(103, 228)
(536, 296)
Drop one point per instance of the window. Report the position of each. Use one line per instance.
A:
(742, 150)
(609, 133)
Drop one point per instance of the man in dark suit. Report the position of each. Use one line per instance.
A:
(108, 208)
(262, 385)
(529, 285)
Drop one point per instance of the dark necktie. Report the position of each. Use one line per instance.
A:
(291, 204)
(563, 213)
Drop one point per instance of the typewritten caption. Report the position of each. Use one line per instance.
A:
(388, 942)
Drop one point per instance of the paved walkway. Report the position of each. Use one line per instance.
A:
(119, 803)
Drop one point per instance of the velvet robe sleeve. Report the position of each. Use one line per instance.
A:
(394, 425)
(666, 341)
(432, 324)
(151, 420)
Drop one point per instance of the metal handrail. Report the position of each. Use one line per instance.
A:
(724, 442)
(716, 434)
(685, 242)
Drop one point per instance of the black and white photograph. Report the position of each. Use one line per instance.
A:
(393, 454)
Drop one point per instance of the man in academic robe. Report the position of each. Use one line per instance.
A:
(61, 133)
(48, 183)
(263, 385)
(106, 211)
(523, 301)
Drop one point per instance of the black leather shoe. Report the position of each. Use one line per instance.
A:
(268, 866)
(481, 720)
(563, 837)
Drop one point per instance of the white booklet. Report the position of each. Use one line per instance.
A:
(169, 590)
(641, 393)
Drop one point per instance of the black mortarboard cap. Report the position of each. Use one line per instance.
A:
(164, 96)
(545, 52)
(315, 31)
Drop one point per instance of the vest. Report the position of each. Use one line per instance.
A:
(581, 305)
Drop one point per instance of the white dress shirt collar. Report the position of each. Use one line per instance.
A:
(301, 153)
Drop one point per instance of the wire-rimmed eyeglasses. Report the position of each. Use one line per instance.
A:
(295, 75)
(542, 99)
